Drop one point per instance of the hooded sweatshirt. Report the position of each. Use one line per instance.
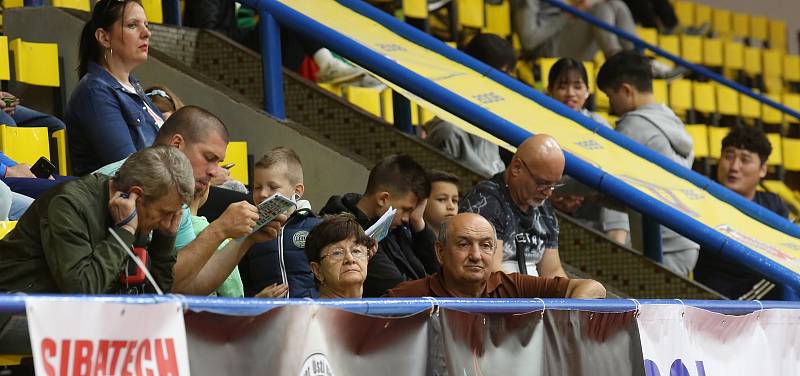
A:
(402, 256)
(657, 127)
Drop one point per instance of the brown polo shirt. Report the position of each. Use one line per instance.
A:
(500, 285)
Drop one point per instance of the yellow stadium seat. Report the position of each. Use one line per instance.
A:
(779, 188)
(153, 11)
(791, 68)
(770, 115)
(741, 25)
(773, 63)
(715, 136)
(425, 115)
(36, 63)
(777, 34)
(712, 52)
(734, 55)
(649, 35)
(13, 4)
(601, 101)
(773, 85)
(792, 101)
(759, 28)
(387, 109)
(776, 158)
(498, 19)
(525, 72)
(367, 98)
(702, 14)
(721, 21)
(415, 8)
(590, 72)
(60, 137)
(791, 154)
(680, 96)
(6, 227)
(703, 94)
(727, 100)
(470, 13)
(671, 44)
(333, 89)
(660, 91)
(692, 48)
(685, 11)
(73, 4)
(237, 153)
(24, 144)
(5, 70)
(699, 133)
(752, 61)
(750, 108)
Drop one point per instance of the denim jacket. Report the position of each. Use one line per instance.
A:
(105, 122)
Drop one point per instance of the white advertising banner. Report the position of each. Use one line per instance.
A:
(685, 341)
(102, 338)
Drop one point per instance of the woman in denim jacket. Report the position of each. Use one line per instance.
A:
(108, 115)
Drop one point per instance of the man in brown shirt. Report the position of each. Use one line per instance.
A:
(465, 249)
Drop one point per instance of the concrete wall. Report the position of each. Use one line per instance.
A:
(787, 10)
(327, 170)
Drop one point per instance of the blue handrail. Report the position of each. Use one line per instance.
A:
(15, 304)
(641, 44)
(514, 135)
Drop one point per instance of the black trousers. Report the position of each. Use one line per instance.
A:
(648, 12)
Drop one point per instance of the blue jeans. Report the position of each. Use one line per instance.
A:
(12, 205)
(34, 187)
(26, 117)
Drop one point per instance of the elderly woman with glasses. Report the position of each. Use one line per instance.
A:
(338, 251)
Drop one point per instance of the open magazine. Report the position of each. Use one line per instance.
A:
(380, 229)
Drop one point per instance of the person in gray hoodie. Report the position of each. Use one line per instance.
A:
(627, 80)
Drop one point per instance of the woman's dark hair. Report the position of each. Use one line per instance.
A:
(105, 13)
(332, 229)
(492, 50)
(563, 67)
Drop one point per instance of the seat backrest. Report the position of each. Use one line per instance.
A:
(777, 34)
(699, 133)
(773, 63)
(721, 22)
(415, 9)
(36, 63)
(752, 60)
(692, 48)
(5, 70)
(24, 144)
(237, 153)
(750, 108)
(498, 19)
(734, 55)
(727, 100)
(715, 136)
(73, 4)
(704, 98)
(680, 96)
(470, 13)
(712, 52)
(791, 68)
(60, 137)
(741, 25)
(367, 98)
(759, 28)
(153, 11)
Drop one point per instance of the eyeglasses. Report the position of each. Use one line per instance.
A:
(540, 185)
(337, 254)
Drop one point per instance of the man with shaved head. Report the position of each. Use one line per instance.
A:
(465, 250)
(516, 202)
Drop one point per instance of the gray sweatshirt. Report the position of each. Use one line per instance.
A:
(537, 25)
(475, 152)
(657, 127)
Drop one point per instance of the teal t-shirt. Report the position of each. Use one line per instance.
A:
(185, 233)
(232, 287)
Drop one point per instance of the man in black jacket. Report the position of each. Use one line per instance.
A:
(407, 252)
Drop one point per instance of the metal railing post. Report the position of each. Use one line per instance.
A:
(651, 238)
(271, 65)
(402, 113)
(172, 12)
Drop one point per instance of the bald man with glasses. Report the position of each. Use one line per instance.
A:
(516, 203)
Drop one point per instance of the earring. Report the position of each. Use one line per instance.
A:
(109, 51)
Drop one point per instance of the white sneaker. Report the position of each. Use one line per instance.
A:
(333, 70)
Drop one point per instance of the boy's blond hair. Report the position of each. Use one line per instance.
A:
(287, 157)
